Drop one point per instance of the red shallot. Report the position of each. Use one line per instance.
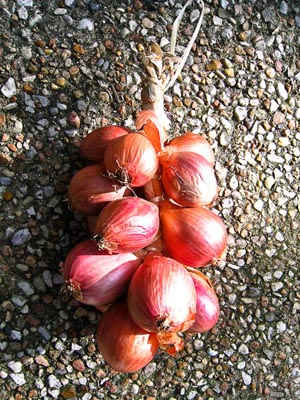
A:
(89, 190)
(193, 236)
(124, 346)
(95, 277)
(127, 225)
(131, 160)
(188, 179)
(161, 295)
(207, 305)
(93, 145)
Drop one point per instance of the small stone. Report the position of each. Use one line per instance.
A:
(147, 23)
(104, 97)
(224, 139)
(213, 65)
(74, 119)
(20, 237)
(273, 106)
(19, 379)
(243, 349)
(233, 183)
(246, 378)
(22, 13)
(229, 72)
(276, 286)
(86, 24)
(258, 205)
(283, 141)
(217, 20)
(9, 89)
(60, 11)
(281, 90)
(269, 182)
(280, 327)
(283, 8)
(224, 4)
(8, 195)
(274, 158)
(194, 16)
(78, 365)
(26, 287)
(25, 3)
(270, 72)
(78, 48)
(54, 382)
(297, 114)
(279, 237)
(15, 366)
(41, 360)
(60, 81)
(240, 113)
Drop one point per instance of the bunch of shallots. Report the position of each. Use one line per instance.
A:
(148, 204)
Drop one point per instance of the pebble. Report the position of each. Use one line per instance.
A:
(246, 378)
(282, 92)
(86, 24)
(19, 379)
(60, 11)
(217, 21)
(54, 382)
(233, 183)
(283, 8)
(259, 205)
(21, 236)
(280, 327)
(213, 65)
(15, 366)
(26, 287)
(269, 181)
(270, 72)
(243, 349)
(240, 113)
(147, 23)
(194, 16)
(276, 286)
(9, 89)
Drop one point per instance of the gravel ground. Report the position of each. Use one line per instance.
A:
(240, 88)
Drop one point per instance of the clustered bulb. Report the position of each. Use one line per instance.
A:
(148, 204)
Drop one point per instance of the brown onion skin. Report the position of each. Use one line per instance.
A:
(124, 346)
(193, 236)
(131, 159)
(192, 142)
(93, 146)
(127, 225)
(207, 306)
(89, 190)
(188, 179)
(95, 277)
(161, 296)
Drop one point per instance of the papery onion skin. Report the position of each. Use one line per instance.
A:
(95, 277)
(188, 179)
(124, 346)
(192, 142)
(194, 236)
(207, 306)
(93, 146)
(89, 190)
(131, 160)
(127, 225)
(161, 296)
